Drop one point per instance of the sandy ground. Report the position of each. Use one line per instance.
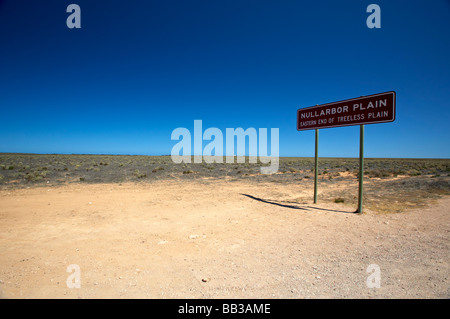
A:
(214, 239)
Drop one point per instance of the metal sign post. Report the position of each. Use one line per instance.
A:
(370, 109)
(361, 169)
(316, 166)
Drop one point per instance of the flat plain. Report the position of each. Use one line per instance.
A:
(144, 227)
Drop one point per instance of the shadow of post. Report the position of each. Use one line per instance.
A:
(306, 208)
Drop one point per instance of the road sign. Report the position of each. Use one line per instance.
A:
(370, 109)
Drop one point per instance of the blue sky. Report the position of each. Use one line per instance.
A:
(137, 70)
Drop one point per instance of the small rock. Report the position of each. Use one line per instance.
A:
(193, 236)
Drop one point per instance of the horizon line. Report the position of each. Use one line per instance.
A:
(246, 156)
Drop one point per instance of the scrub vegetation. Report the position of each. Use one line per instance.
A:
(390, 184)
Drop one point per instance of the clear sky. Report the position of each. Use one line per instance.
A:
(137, 70)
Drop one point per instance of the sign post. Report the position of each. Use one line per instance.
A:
(316, 166)
(361, 168)
(370, 109)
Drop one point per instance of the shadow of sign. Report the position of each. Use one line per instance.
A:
(289, 205)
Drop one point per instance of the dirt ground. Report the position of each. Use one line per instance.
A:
(214, 239)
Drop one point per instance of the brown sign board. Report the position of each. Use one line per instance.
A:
(370, 109)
